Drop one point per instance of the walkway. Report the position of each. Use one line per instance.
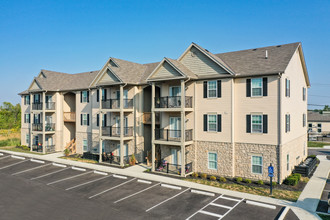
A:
(137, 171)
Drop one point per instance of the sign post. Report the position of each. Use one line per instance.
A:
(271, 174)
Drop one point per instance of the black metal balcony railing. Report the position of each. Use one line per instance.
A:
(49, 127)
(36, 127)
(50, 105)
(115, 103)
(172, 135)
(172, 102)
(37, 148)
(165, 167)
(112, 131)
(37, 106)
(50, 148)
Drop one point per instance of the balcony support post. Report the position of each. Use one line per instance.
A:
(121, 104)
(153, 151)
(31, 122)
(183, 132)
(44, 122)
(100, 124)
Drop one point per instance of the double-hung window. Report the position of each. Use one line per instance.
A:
(304, 94)
(84, 97)
(27, 139)
(287, 123)
(257, 164)
(212, 122)
(256, 125)
(84, 119)
(287, 162)
(287, 87)
(319, 128)
(212, 159)
(85, 145)
(27, 118)
(27, 100)
(256, 87)
(212, 89)
(304, 120)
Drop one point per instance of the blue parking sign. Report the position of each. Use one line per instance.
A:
(270, 171)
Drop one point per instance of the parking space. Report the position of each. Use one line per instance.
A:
(143, 198)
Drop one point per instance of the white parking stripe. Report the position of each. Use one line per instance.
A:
(4, 157)
(170, 186)
(12, 164)
(92, 181)
(1, 154)
(232, 207)
(221, 206)
(111, 188)
(211, 213)
(59, 165)
(144, 181)
(47, 174)
(71, 177)
(120, 177)
(167, 200)
(18, 157)
(100, 173)
(203, 208)
(136, 193)
(29, 169)
(202, 192)
(37, 161)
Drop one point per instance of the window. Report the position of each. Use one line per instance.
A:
(27, 118)
(304, 120)
(27, 100)
(304, 94)
(319, 128)
(256, 125)
(287, 123)
(85, 145)
(257, 164)
(104, 94)
(212, 122)
(287, 162)
(84, 96)
(212, 158)
(212, 89)
(27, 139)
(287, 88)
(85, 119)
(310, 125)
(256, 87)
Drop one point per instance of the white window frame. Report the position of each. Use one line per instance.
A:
(84, 96)
(84, 119)
(216, 123)
(216, 89)
(262, 124)
(262, 164)
(216, 160)
(85, 142)
(261, 93)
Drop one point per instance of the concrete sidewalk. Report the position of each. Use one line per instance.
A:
(310, 197)
(137, 171)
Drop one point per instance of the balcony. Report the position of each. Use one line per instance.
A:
(172, 135)
(50, 105)
(36, 127)
(115, 104)
(172, 102)
(111, 131)
(69, 117)
(49, 127)
(164, 167)
(37, 106)
(39, 148)
(147, 118)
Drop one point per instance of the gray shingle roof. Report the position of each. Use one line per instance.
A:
(317, 117)
(253, 62)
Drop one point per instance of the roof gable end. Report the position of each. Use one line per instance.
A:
(165, 71)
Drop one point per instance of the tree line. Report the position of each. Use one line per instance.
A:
(10, 116)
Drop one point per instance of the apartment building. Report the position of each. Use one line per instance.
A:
(319, 123)
(228, 114)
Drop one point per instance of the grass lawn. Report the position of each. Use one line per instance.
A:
(277, 193)
(79, 159)
(317, 144)
(10, 142)
(14, 148)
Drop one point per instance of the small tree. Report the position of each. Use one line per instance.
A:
(132, 160)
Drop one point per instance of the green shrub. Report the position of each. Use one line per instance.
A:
(292, 181)
(247, 181)
(274, 183)
(203, 175)
(213, 178)
(222, 179)
(260, 182)
(24, 147)
(239, 179)
(298, 175)
(311, 156)
(67, 151)
(195, 175)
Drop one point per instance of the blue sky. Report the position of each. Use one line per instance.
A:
(78, 36)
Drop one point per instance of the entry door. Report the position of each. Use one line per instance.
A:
(49, 120)
(36, 98)
(36, 140)
(175, 127)
(175, 91)
(118, 125)
(125, 97)
(49, 141)
(48, 98)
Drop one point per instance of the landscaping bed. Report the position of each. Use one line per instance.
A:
(22, 149)
(79, 157)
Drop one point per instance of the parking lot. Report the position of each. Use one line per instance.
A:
(35, 189)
